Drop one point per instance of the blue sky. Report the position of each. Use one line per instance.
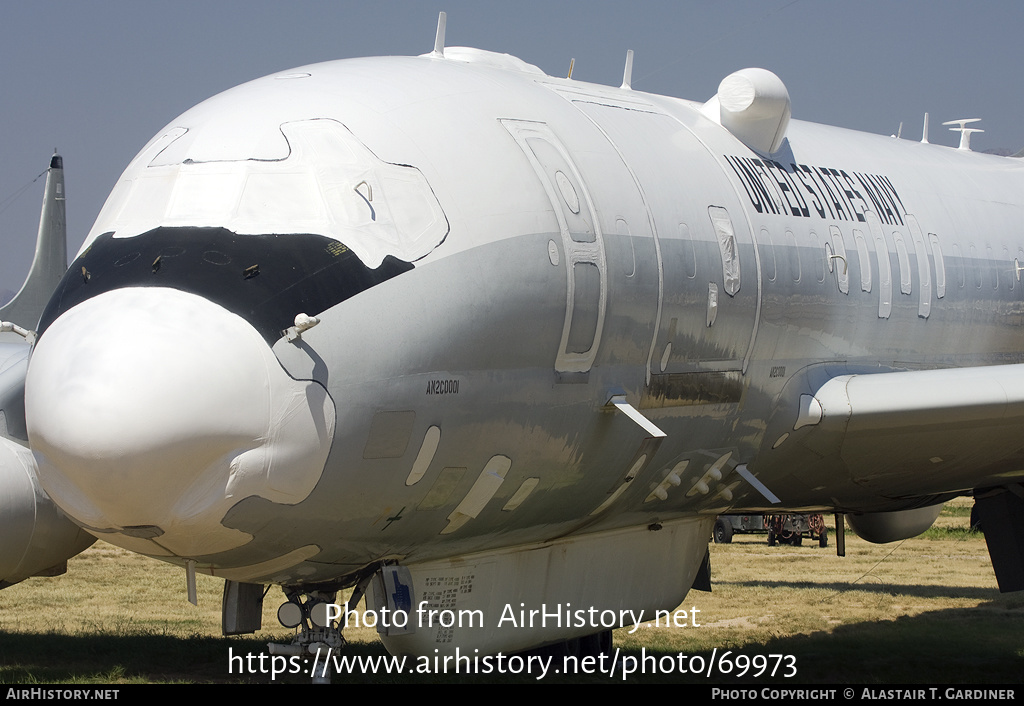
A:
(96, 80)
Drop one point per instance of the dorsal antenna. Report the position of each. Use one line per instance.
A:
(965, 132)
(572, 62)
(627, 73)
(438, 52)
(924, 130)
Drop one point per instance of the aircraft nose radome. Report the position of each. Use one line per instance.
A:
(152, 411)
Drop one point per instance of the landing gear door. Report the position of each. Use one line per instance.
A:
(582, 242)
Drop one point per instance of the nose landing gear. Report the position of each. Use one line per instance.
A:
(314, 615)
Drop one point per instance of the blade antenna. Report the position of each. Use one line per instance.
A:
(442, 19)
(627, 73)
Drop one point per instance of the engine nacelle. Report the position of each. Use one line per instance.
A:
(38, 538)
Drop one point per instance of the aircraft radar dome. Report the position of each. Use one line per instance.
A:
(753, 104)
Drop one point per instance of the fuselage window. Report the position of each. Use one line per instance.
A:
(820, 253)
(924, 277)
(904, 259)
(838, 263)
(767, 255)
(975, 266)
(727, 245)
(884, 265)
(940, 266)
(958, 266)
(864, 259)
(794, 256)
(622, 228)
(689, 258)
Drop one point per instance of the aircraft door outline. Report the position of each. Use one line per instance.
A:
(582, 241)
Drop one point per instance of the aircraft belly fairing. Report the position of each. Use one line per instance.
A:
(473, 323)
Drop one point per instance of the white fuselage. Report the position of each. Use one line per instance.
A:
(509, 252)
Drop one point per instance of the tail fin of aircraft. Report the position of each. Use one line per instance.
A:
(51, 258)
(38, 538)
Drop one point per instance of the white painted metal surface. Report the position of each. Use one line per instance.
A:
(492, 254)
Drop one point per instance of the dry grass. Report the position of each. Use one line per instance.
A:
(924, 610)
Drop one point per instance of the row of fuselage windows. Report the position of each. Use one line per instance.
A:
(996, 268)
(861, 257)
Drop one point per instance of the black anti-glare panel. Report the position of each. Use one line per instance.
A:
(265, 279)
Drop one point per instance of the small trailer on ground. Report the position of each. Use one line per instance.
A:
(781, 528)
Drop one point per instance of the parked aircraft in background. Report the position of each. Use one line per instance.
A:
(475, 338)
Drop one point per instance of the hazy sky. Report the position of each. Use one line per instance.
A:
(96, 80)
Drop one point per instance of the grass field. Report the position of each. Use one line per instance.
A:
(925, 610)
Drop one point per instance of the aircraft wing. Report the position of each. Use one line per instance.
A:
(937, 424)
